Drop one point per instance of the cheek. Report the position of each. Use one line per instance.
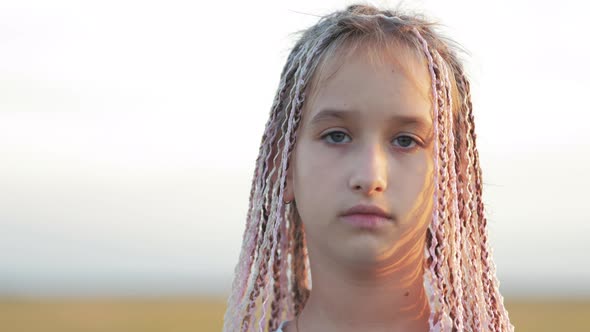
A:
(315, 181)
(314, 173)
(421, 173)
(416, 190)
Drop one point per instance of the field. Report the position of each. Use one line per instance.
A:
(199, 314)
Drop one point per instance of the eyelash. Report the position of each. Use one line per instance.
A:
(405, 148)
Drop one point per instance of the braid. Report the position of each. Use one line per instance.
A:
(470, 289)
(277, 291)
(272, 277)
(300, 290)
(257, 288)
(435, 250)
(290, 285)
(471, 215)
(453, 199)
(444, 228)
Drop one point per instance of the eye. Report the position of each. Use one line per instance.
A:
(336, 136)
(405, 141)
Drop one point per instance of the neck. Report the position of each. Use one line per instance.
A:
(388, 296)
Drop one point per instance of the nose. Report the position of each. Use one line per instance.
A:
(370, 171)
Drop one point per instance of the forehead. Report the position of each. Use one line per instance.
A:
(394, 80)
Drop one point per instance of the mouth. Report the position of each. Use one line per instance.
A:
(363, 220)
(369, 210)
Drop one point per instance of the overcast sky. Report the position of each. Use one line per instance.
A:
(129, 132)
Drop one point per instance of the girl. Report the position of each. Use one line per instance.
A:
(368, 187)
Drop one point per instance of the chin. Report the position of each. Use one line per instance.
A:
(366, 249)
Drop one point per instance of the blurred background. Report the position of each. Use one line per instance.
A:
(129, 132)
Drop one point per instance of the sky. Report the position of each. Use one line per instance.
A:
(129, 132)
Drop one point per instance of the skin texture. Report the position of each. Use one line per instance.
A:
(365, 280)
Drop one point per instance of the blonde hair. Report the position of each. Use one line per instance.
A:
(272, 277)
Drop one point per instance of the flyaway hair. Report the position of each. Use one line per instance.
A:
(272, 278)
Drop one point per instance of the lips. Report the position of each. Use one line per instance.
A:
(366, 209)
(367, 216)
(370, 221)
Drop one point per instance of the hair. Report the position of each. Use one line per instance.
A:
(272, 277)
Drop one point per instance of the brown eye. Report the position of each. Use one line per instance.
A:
(336, 136)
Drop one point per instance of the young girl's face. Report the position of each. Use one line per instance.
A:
(365, 138)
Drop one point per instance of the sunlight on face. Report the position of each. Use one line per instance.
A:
(365, 138)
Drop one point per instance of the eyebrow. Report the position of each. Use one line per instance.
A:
(330, 114)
